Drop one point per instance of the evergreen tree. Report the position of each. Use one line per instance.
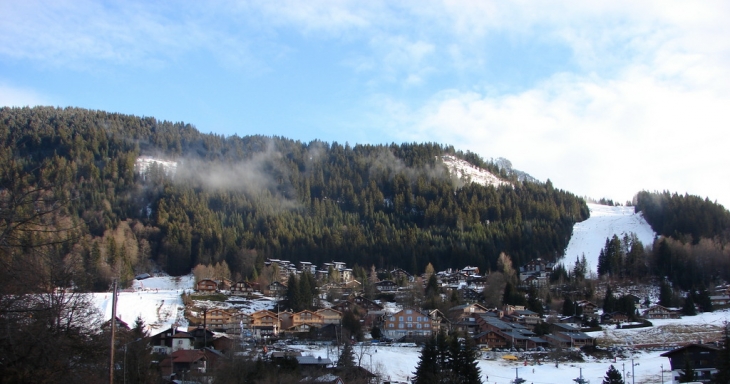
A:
(688, 308)
(347, 357)
(569, 307)
(665, 294)
(427, 369)
(609, 302)
(613, 376)
(704, 301)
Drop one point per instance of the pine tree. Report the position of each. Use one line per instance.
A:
(609, 303)
(688, 309)
(613, 376)
(665, 294)
(427, 369)
(347, 358)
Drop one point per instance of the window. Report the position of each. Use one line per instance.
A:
(410, 318)
(400, 318)
(400, 325)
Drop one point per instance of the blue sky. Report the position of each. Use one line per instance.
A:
(603, 98)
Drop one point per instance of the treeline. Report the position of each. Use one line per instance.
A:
(686, 217)
(692, 251)
(244, 199)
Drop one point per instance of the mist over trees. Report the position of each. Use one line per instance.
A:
(240, 200)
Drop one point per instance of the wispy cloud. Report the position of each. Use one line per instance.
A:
(20, 97)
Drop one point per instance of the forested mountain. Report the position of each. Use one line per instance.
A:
(693, 251)
(683, 216)
(245, 199)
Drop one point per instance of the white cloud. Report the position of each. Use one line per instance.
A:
(592, 136)
(20, 97)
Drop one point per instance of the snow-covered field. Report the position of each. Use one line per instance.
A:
(589, 236)
(157, 300)
(399, 363)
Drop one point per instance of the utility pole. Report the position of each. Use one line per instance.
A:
(633, 376)
(662, 368)
(114, 331)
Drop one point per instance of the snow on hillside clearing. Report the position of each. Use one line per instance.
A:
(464, 170)
(589, 236)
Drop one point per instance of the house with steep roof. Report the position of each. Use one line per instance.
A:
(659, 312)
(703, 357)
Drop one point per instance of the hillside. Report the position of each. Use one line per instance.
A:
(241, 200)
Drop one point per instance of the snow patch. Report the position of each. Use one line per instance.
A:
(468, 172)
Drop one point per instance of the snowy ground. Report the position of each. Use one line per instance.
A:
(399, 363)
(589, 236)
(157, 300)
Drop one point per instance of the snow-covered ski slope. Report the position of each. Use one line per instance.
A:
(156, 300)
(589, 236)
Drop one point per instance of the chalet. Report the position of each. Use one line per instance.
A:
(307, 266)
(225, 285)
(589, 309)
(367, 304)
(407, 322)
(499, 334)
(614, 318)
(207, 286)
(720, 300)
(120, 325)
(386, 286)
(265, 324)
(202, 337)
(469, 294)
(217, 319)
(463, 317)
(399, 274)
(245, 289)
(170, 340)
(438, 321)
(567, 336)
(275, 289)
(184, 362)
(470, 271)
(477, 283)
(305, 320)
(660, 312)
(703, 358)
(330, 316)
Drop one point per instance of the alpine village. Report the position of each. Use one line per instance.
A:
(142, 251)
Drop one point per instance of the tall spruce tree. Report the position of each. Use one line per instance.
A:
(427, 369)
(613, 376)
(347, 357)
(609, 302)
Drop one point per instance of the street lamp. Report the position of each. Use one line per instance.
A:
(125, 358)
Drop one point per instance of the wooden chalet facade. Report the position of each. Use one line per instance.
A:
(702, 357)
(660, 312)
(207, 286)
